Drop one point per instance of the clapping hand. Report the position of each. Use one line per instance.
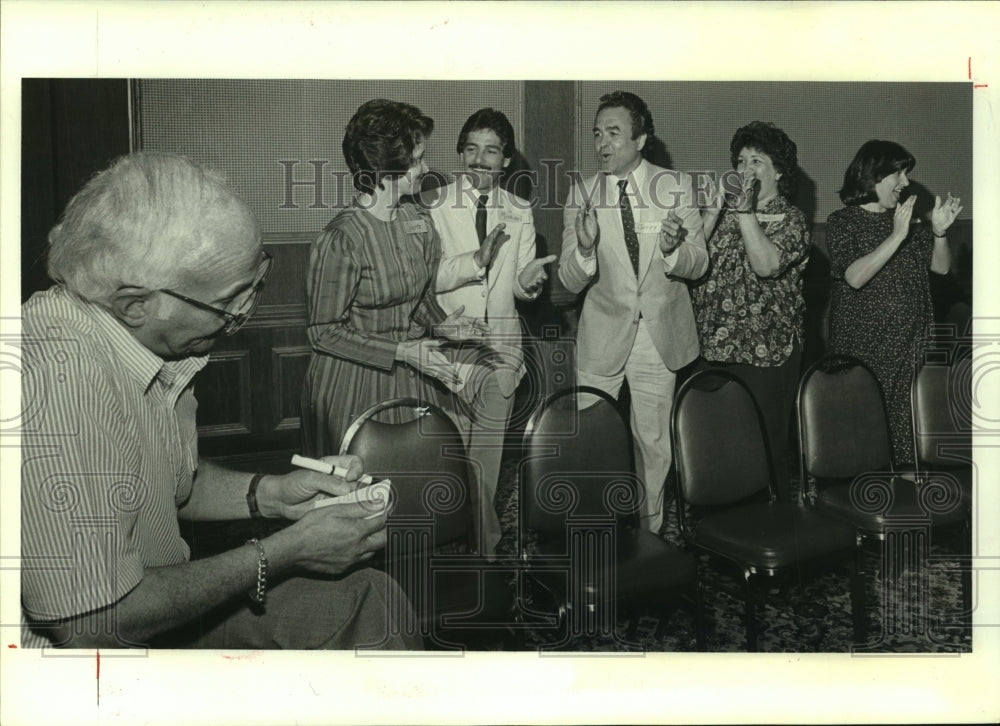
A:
(944, 213)
(672, 233)
(587, 230)
(533, 274)
(488, 250)
(901, 217)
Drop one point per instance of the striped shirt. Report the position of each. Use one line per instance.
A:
(109, 450)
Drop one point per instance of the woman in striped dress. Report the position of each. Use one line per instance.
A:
(371, 308)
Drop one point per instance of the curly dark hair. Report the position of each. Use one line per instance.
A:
(491, 120)
(874, 161)
(642, 119)
(768, 139)
(380, 139)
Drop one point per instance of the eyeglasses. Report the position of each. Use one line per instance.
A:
(243, 305)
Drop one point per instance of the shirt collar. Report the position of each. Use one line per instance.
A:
(637, 176)
(138, 360)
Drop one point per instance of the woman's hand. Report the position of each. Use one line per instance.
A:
(901, 218)
(944, 213)
(423, 355)
(588, 233)
(462, 327)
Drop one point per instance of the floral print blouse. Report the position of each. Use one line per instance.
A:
(744, 318)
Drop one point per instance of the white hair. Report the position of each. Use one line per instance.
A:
(149, 220)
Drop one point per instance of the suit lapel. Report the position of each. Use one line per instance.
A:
(609, 217)
(646, 215)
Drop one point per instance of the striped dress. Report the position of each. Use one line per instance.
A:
(368, 288)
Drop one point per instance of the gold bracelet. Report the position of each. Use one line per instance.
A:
(257, 596)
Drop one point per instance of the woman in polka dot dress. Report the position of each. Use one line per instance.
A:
(879, 256)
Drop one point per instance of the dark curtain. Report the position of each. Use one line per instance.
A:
(70, 129)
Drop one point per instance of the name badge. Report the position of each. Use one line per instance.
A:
(770, 217)
(511, 218)
(416, 226)
(648, 227)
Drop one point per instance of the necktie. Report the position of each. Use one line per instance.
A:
(481, 218)
(481, 232)
(628, 224)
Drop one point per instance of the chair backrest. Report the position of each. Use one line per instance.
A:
(941, 399)
(420, 449)
(843, 429)
(577, 461)
(719, 443)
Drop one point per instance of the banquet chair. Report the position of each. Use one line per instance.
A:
(845, 454)
(941, 402)
(726, 501)
(432, 538)
(580, 540)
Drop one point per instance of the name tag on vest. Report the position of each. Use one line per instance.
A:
(647, 227)
(770, 217)
(416, 226)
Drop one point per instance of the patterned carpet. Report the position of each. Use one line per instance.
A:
(916, 612)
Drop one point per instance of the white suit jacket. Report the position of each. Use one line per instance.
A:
(614, 295)
(461, 282)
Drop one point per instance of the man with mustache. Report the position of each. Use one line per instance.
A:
(632, 236)
(484, 273)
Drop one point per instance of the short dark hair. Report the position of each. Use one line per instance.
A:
(874, 161)
(768, 139)
(380, 139)
(491, 120)
(642, 119)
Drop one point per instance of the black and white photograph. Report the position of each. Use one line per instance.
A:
(654, 386)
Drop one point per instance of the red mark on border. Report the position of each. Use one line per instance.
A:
(970, 67)
(980, 85)
(98, 677)
(11, 646)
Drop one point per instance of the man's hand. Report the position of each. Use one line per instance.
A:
(588, 232)
(291, 496)
(672, 233)
(331, 539)
(462, 327)
(488, 250)
(533, 274)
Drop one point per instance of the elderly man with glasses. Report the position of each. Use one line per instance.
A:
(154, 260)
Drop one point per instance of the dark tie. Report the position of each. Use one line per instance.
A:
(628, 224)
(481, 232)
(481, 218)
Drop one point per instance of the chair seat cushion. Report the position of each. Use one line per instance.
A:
(871, 514)
(771, 535)
(643, 565)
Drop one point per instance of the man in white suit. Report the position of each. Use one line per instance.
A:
(632, 236)
(484, 274)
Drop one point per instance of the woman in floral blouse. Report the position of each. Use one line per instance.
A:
(749, 307)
